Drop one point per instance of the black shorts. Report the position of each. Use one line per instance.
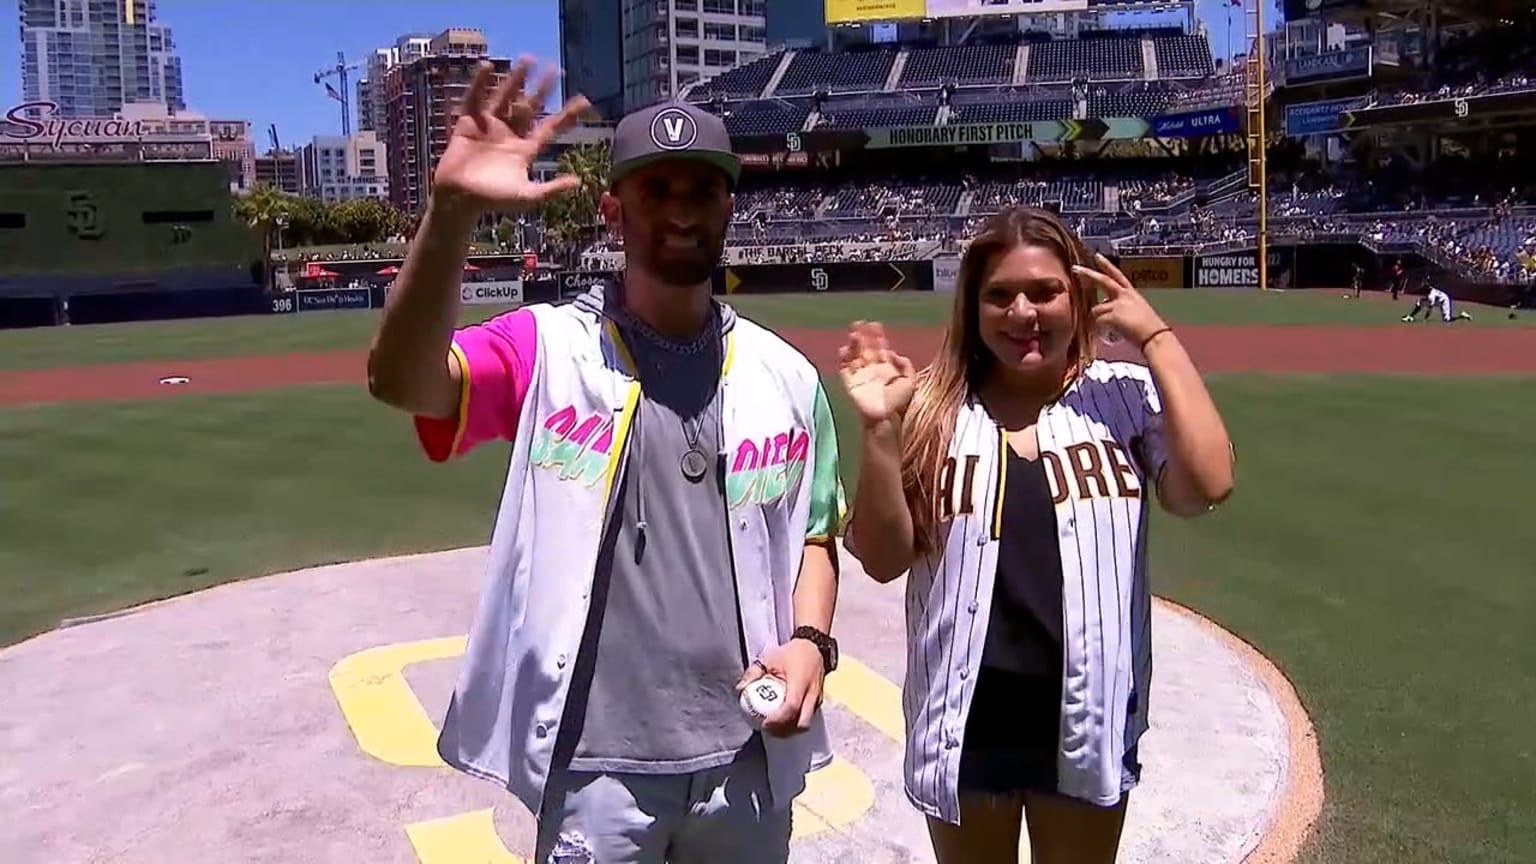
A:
(1013, 736)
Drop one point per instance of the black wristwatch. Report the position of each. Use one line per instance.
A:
(823, 642)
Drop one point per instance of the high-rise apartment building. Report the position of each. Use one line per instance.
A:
(625, 54)
(421, 100)
(370, 89)
(92, 57)
(336, 169)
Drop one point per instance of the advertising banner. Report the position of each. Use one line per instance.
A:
(327, 300)
(575, 283)
(983, 134)
(1452, 110)
(1331, 66)
(1319, 118)
(282, 304)
(1154, 272)
(499, 293)
(860, 11)
(1241, 269)
(1193, 124)
(946, 272)
(836, 277)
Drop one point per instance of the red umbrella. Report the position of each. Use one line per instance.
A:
(320, 273)
(391, 270)
(470, 268)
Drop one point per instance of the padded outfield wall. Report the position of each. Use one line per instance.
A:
(82, 229)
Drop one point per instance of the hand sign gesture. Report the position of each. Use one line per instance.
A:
(1124, 310)
(879, 381)
(495, 141)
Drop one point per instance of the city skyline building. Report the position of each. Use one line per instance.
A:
(336, 169)
(370, 88)
(92, 57)
(626, 54)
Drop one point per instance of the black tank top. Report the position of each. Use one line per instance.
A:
(1024, 633)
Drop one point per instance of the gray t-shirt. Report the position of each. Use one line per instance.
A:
(665, 620)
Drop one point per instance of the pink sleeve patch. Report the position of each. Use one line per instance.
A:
(496, 364)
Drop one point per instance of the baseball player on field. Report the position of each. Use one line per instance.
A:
(1435, 299)
(663, 539)
(1011, 480)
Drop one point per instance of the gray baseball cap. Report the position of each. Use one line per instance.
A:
(671, 130)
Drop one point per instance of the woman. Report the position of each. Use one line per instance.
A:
(1013, 488)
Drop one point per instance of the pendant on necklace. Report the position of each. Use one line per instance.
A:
(695, 464)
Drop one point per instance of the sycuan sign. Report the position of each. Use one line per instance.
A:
(52, 131)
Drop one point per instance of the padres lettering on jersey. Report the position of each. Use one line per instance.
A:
(1102, 446)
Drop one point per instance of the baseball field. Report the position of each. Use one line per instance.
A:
(1372, 552)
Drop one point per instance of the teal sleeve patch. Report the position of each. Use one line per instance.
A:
(828, 503)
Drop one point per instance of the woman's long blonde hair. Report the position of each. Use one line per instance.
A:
(964, 361)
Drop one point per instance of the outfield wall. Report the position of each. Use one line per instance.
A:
(1312, 266)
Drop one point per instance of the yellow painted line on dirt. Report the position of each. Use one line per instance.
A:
(386, 717)
(390, 725)
(457, 839)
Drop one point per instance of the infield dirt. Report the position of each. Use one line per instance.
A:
(1422, 349)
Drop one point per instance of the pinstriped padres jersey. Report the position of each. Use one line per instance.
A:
(1102, 446)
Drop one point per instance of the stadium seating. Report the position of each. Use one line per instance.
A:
(1458, 214)
(1182, 56)
(775, 117)
(883, 111)
(812, 71)
(1139, 101)
(742, 82)
(962, 64)
(1007, 106)
(1111, 58)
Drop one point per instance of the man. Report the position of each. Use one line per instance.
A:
(1435, 299)
(665, 531)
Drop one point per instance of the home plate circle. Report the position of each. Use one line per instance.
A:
(176, 379)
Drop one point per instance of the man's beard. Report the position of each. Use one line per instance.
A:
(684, 267)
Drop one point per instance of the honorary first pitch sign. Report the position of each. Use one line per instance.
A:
(983, 134)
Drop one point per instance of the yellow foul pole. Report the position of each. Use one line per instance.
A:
(1255, 85)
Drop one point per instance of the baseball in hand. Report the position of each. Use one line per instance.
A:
(761, 698)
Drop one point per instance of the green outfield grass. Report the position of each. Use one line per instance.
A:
(1372, 550)
(55, 347)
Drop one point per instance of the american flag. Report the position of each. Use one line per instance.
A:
(331, 92)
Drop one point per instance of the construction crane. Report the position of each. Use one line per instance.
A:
(343, 94)
(272, 137)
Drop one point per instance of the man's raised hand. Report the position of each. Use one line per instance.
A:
(497, 137)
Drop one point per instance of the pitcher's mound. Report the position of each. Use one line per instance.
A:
(292, 719)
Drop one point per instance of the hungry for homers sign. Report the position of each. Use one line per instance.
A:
(1239, 269)
(20, 126)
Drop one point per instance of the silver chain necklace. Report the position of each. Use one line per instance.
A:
(694, 463)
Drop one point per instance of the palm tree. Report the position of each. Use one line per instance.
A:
(265, 209)
(569, 222)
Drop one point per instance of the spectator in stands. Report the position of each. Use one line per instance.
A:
(985, 476)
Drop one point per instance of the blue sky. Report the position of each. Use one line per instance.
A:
(255, 59)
